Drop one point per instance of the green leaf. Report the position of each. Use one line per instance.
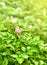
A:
(5, 62)
(20, 60)
(23, 48)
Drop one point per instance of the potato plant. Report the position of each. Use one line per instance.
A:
(23, 32)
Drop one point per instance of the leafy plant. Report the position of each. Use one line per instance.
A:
(23, 32)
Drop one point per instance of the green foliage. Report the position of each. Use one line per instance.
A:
(23, 32)
(21, 48)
